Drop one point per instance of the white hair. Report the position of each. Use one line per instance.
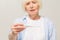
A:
(39, 1)
(23, 1)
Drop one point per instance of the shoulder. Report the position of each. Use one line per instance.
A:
(46, 19)
(19, 20)
(48, 22)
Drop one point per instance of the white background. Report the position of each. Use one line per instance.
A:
(11, 9)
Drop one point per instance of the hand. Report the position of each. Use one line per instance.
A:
(16, 28)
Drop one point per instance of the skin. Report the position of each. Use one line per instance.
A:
(32, 8)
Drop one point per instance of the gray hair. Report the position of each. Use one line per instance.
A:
(21, 2)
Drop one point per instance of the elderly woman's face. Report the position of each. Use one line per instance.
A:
(32, 6)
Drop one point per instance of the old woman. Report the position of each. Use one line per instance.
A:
(32, 26)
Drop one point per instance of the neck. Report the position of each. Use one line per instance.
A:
(34, 17)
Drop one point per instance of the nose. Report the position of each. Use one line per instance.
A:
(31, 5)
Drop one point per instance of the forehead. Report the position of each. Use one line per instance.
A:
(29, 0)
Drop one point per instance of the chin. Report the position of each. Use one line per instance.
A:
(33, 13)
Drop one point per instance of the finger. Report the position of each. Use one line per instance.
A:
(18, 25)
(15, 32)
(18, 30)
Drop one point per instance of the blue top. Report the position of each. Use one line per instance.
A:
(49, 28)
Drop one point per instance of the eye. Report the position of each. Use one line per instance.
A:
(27, 3)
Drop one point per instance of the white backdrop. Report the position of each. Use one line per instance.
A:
(11, 9)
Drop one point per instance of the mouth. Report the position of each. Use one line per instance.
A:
(32, 10)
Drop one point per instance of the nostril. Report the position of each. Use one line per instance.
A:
(31, 7)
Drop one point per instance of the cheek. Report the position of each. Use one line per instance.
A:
(26, 8)
(36, 6)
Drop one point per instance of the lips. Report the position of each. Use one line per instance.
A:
(32, 10)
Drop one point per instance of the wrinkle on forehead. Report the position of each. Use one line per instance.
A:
(24, 1)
